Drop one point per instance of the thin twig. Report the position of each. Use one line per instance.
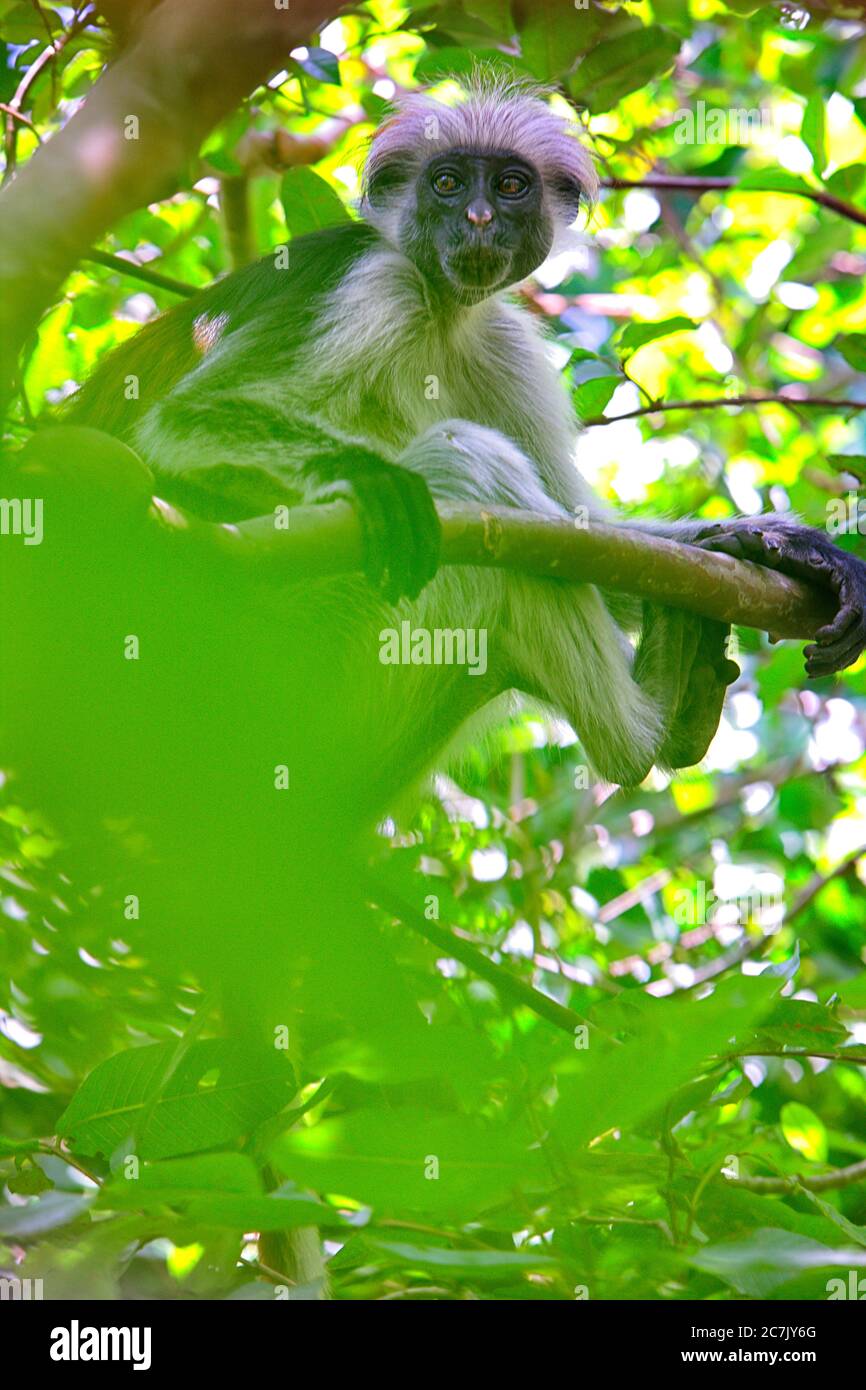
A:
(820, 1182)
(452, 945)
(685, 183)
(140, 272)
(794, 403)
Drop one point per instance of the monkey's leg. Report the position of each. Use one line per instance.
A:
(662, 708)
(560, 642)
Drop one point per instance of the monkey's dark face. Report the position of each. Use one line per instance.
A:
(481, 223)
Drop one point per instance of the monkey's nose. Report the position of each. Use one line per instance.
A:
(479, 214)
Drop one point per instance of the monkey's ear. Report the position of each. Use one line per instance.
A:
(567, 193)
(385, 178)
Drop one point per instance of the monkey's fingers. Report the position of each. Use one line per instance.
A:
(425, 529)
(400, 530)
(806, 554)
(840, 642)
(383, 531)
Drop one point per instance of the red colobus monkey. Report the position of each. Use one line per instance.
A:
(298, 384)
(383, 361)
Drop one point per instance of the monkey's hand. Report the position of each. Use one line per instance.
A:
(803, 553)
(400, 528)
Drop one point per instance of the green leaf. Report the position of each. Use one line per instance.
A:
(615, 1087)
(769, 1258)
(591, 397)
(813, 131)
(618, 66)
(553, 35)
(635, 335)
(475, 1264)
(47, 1213)
(849, 463)
(496, 14)
(217, 1190)
(18, 1146)
(180, 1178)
(219, 1091)
(853, 349)
(853, 1232)
(389, 1053)
(804, 1131)
(320, 64)
(408, 1160)
(284, 1210)
(846, 183)
(309, 202)
(580, 354)
(802, 1024)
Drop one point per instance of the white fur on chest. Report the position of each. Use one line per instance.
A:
(386, 367)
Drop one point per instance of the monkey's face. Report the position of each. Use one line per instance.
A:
(481, 223)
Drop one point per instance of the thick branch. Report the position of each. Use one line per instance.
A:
(105, 481)
(326, 540)
(190, 64)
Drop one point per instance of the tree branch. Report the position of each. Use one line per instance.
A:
(686, 183)
(817, 1182)
(189, 64)
(106, 481)
(140, 272)
(720, 402)
(326, 539)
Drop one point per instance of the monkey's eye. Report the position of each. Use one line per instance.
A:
(512, 185)
(446, 183)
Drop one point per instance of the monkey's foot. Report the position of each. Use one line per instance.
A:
(696, 718)
(804, 553)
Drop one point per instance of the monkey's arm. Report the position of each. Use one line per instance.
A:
(228, 457)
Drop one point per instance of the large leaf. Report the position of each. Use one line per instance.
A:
(474, 1264)
(217, 1190)
(621, 65)
(390, 1158)
(309, 202)
(554, 33)
(219, 1091)
(616, 1087)
(769, 1258)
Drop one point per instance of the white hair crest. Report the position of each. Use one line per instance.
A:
(494, 114)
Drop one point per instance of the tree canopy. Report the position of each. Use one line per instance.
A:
(639, 1064)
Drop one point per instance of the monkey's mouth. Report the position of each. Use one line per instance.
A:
(478, 267)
